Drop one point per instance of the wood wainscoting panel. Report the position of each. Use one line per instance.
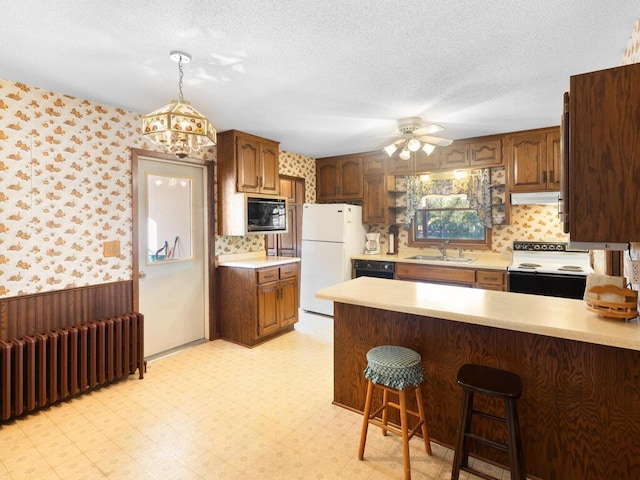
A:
(579, 412)
(43, 312)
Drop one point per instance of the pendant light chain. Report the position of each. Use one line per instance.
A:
(180, 77)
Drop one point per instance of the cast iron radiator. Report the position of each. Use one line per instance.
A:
(42, 369)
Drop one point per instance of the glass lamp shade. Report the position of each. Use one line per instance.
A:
(389, 149)
(179, 128)
(405, 154)
(413, 145)
(428, 148)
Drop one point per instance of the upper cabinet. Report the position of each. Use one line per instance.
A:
(339, 179)
(534, 160)
(454, 156)
(485, 153)
(247, 163)
(479, 152)
(603, 158)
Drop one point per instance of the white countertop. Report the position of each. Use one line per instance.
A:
(252, 260)
(550, 316)
(488, 260)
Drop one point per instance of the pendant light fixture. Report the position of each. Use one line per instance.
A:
(179, 127)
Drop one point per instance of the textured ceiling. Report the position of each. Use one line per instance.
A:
(322, 77)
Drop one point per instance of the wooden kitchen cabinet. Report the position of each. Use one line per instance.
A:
(603, 162)
(478, 152)
(379, 200)
(491, 280)
(289, 244)
(462, 276)
(398, 166)
(485, 153)
(247, 163)
(454, 156)
(256, 304)
(339, 179)
(534, 162)
(374, 163)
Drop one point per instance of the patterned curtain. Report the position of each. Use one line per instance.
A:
(479, 194)
(475, 186)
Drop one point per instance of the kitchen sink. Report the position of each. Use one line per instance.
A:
(458, 260)
(426, 257)
(440, 258)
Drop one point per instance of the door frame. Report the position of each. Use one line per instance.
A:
(210, 240)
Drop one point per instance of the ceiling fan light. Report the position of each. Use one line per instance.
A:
(413, 145)
(428, 148)
(389, 149)
(405, 154)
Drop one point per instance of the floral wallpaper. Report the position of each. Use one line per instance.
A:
(64, 189)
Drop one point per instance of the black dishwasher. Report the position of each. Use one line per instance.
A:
(373, 268)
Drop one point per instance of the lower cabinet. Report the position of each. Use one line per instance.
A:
(464, 277)
(257, 303)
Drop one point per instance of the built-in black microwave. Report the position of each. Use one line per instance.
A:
(266, 214)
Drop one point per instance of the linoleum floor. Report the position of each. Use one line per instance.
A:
(216, 411)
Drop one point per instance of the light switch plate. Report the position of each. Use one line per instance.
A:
(111, 249)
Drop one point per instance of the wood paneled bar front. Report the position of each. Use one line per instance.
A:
(580, 409)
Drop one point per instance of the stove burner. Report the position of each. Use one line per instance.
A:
(571, 268)
(529, 265)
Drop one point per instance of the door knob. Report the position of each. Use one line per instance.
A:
(142, 274)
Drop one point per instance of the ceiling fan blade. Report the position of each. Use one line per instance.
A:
(427, 129)
(441, 142)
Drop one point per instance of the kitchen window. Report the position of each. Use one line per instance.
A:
(449, 210)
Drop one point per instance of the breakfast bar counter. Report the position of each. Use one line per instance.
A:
(580, 408)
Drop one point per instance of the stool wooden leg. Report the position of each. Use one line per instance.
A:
(461, 455)
(516, 457)
(365, 419)
(402, 394)
(385, 415)
(425, 433)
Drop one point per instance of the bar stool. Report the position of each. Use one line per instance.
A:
(394, 370)
(494, 383)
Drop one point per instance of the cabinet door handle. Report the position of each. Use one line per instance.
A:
(271, 275)
(550, 176)
(490, 278)
(544, 177)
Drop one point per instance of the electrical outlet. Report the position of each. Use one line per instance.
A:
(111, 249)
(635, 272)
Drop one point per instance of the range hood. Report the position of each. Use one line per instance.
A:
(534, 198)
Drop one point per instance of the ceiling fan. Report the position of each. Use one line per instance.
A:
(414, 135)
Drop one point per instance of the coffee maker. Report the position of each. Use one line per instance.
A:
(372, 244)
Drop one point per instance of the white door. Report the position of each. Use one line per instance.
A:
(172, 253)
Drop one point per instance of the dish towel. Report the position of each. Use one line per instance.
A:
(595, 280)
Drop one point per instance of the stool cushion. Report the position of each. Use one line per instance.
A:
(395, 367)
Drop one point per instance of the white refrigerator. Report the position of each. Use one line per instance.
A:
(331, 234)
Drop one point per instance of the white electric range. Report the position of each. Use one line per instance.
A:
(548, 268)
